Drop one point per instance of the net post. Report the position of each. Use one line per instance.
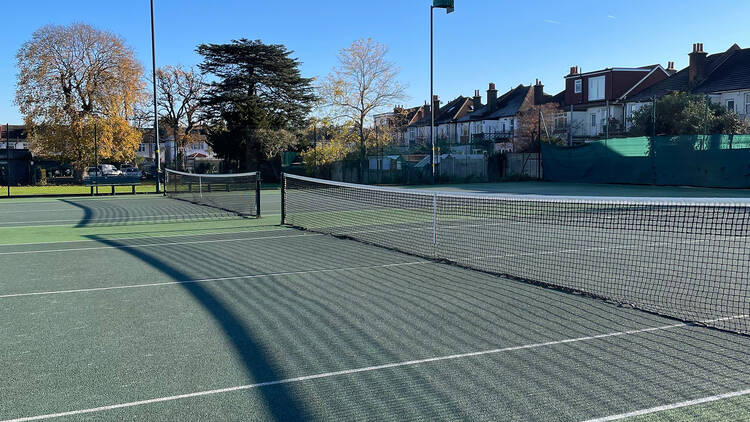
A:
(257, 195)
(434, 224)
(283, 199)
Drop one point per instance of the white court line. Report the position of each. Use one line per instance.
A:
(225, 231)
(135, 223)
(208, 280)
(148, 245)
(44, 210)
(671, 406)
(344, 372)
(94, 220)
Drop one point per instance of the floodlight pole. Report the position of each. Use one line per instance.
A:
(432, 97)
(448, 6)
(156, 113)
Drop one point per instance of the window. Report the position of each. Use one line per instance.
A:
(504, 131)
(730, 105)
(578, 86)
(747, 103)
(596, 88)
(593, 119)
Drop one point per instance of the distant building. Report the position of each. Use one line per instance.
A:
(396, 122)
(595, 101)
(18, 137)
(446, 121)
(168, 151)
(723, 77)
(497, 121)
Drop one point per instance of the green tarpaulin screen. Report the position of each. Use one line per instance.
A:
(696, 160)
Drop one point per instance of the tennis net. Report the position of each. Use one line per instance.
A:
(684, 258)
(236, 193)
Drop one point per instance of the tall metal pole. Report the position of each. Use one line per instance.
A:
(7, 157)
(156, 113)
(432, 101)
(96, 156)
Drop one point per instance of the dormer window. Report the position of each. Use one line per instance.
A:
(596, 88)
(578, 86)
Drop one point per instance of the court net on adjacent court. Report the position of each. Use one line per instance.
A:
(237, 193)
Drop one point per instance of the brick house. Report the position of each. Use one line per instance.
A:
(497, 120)
(723, 77)
(595, 101)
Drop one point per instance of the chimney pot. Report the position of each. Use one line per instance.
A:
(477, 100)
(697, 68)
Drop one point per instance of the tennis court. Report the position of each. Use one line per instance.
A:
(161, 309)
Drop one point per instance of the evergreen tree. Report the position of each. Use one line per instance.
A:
(255, 91)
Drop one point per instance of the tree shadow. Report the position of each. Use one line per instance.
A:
(280, 402)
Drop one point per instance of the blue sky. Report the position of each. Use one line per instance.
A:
(503, 41)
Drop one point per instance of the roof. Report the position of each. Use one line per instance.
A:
(16, 132)
(732, 74)
(646, 68)
(446, 113)
(727, 71)
(507, 105)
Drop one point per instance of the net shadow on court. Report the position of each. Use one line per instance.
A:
(152, 210)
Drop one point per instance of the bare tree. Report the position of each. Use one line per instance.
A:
(179, 93)
(363, 82)
(71, 78)
(536, 124)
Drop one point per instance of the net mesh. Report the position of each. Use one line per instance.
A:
(684, 258)
(237, 193)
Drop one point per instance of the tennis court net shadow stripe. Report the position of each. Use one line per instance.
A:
(281, 403)
(162, 210)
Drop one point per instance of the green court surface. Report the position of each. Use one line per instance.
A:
(148, 308)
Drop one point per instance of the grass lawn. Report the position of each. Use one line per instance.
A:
(147, 186)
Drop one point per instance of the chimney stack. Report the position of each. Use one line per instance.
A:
(538, 93)
(492, 97)
(573, 70)
(435, 106)
(697, 69)
(477, 103)
(670, 68)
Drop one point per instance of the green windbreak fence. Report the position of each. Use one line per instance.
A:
(695, 160)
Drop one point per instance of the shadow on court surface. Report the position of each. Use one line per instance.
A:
(280, 402)
(144, 211)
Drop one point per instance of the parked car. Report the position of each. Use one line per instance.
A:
(93, 172)
(132, 172)
(109, 170)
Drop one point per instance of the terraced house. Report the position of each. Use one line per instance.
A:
(723, 77)
(497, 120)
(595, 101)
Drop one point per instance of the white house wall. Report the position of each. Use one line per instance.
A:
(741, 101)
